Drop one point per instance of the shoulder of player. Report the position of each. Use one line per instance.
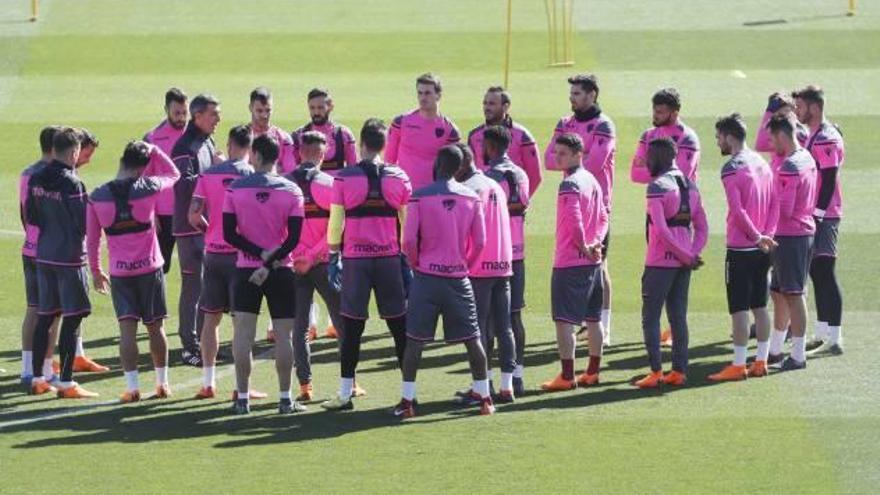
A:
(828, 134)
(525, 136)
(797, 163)
(688, 138)
(733, 166)
(476, 130)
(390, 171)
(398, 120)
(101, 193)
(661, 185)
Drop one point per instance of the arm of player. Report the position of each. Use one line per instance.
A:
(477, 234)
(604, 219)
(569, 206)
(826, 192)
(22, 200)
(531, 162)
(700, 223)
(734, 203)
(236, 240)
(93, 250)
(549, 156)
(294, 229)
(762, 137)
(678, 249)
(351, 154)
(77, 202)
(410, 243)
(392, 148)
(196, 212)
(162, 168)
(638, 171)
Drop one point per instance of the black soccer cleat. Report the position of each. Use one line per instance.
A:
(190, 358)
(287, 406)
(792, 364)
(519, 388)
(241, 407)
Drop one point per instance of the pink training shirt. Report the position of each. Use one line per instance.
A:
(211, 188)
(600, 147)
(371, 206)
(523, 151)
(763, 143)
(262, 204)
(687, 159)
(287, 158)
(826, 147)
(515, 183)
(164, 136)
(496, 257)
(317, 189)
(581, 218)
(131, 233)
(795, 189)
(752, 210)
(341, 149)
(31, 232)
(674, 246)
(450, 250)
(413, 143)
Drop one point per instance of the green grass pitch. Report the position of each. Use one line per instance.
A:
(105, 64)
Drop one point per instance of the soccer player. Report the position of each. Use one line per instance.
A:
(369, 205)
(56, 205)
(341, 150)
(523, 150)
(193, 153)
(777, 104)
(218, 280)
(667, 123)
(490, 273)
(261, 124)
(310, 255)
(262, 219)
(599, 137)
(794, 188)
(825, 143)
(441, 258)
(677, 233)
(415, 137)
(515, 183)
(124, 209)
(576, 284)
(751, 224)
(165, 135)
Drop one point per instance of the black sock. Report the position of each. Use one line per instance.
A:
(67, 346)
(41, 343)
(350, 348)
(397, 326)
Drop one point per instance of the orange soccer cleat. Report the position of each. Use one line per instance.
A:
(205, 393)
(75, 392)
(313, 334)
(585, 380)
(558, 384)
(305, 393)
(130, 396)
(42, 387)
(487, 408)
(730, 373)
(758, 369)
(163, 391)
(331, 332)
(652, 380)
(82, 364)
(675, 378)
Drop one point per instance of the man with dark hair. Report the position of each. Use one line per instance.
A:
(441, 258)
(576, 283)
(218, 281)
(341, 150)
(262, 219)
(794, 188)
(88, 143)
(261, 124)
(523, 150)
(369, 206)
(599, 137)
(515, 184)
(56, 205)
(825, 143)
(310, 255)
(677, 233)
(193, 153)
(415, 137)
(751, 224)
(779, 103)
(165, 135)
(124, 209)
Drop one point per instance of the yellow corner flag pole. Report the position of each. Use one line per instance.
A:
(35, 10)
(852, 8)
(507, 44)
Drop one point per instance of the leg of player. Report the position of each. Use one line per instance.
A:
(502, 329)
(52, 366)
(304, 296)
(397, 327)
(797, 308)
(350, 351)
(656, 283)
(676, 311)
(595, 333)
(39, 384)
(313, 321)
(28, 326)
(159, 354)
(409, 369)
(67, 388)
(190, 257)
(827, 289)
(210, 346)
(762, 333)
(606, 302)
(82, 363)
(565, 342)
(244, 332)
(737, 369)
(519, 338)
(477, 361)
(781, 320)
(284, 358)
(128, 356)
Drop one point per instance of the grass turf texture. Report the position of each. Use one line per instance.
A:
(105, 65)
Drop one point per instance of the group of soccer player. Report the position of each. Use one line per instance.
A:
(432, 226)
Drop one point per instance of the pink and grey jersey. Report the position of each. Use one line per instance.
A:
(31, 232)
(752, 209)
(287, 156)
(165, 136)
(262, 204)
(125, 209)
(211, 188)
(450, 250)
(371, 194)
(496, 258)
(581, 218)
(676, 225)
(687, 159)
(523, 151)
(413, 143)
(56, 204)
(515, 183)
(341, 149)
(762, 140)
(193, 153)
(600, 147)
(795, 189)
(317, 190)
(826, 146)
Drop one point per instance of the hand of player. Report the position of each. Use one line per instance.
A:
(697, 263)
(259, 276)
(202, 225)
(406, 273)
(101, 282)
(267, 253)
(594, 251)
(334, 271)
(302, 265)
(775, 102)
(766, 244)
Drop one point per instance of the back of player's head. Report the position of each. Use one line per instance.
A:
(267, 148)
(46, 136)
(64, 140)
(571, 141)
(317, 93)
(262, 95)
(241, 135)
(499, 90)
(135, 156)
(467, 155)
(668, 97)
(312, 137)
(661, 153)
(587, 82)
(732, 125)
(498, 136)
(811, 94)
(201, 102)
(448, 161)
(174, 95)
(429, 78)
(87, 139)
(373, 135)
(781, 124)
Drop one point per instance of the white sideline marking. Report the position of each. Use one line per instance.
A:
(13, 233)
(229, 369)
(738, 74)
